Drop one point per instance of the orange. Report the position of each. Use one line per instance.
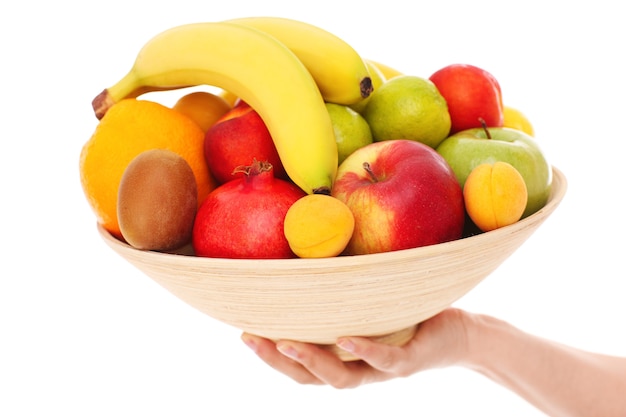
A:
(128, 128)
(202, 107)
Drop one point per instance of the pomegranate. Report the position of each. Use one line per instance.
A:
(244, 217)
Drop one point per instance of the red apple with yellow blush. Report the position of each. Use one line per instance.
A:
(403, 195)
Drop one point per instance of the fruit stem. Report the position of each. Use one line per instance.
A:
(368, 168)
(322, 190)
(484, 125)
(366, 87)
(101, 103)
(256, 168)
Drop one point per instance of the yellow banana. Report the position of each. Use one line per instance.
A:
(338, 70)
(254, 66)
(378, 79)
(387, 71)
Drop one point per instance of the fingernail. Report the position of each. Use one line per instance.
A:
(250, 343)
(287, 350)
(346, 344)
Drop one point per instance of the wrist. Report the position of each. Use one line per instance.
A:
(485, 336)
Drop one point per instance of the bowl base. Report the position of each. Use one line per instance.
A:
(399, 338)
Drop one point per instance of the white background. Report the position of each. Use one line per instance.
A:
(82, 333)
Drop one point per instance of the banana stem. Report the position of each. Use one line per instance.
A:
(125, 88)
(366, 87)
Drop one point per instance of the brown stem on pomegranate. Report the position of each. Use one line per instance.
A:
(484, 125)
(255, 169)
(368, 168)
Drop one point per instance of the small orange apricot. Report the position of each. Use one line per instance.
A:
(318, 226)
(202, 107)
(495, 195)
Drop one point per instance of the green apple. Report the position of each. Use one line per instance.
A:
(351, 130)
(469, 148)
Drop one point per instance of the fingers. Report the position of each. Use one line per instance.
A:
(439, 341)
(266, 350)
(326, 366)
(309, 364)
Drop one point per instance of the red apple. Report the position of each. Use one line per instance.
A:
(472, 94)
(403, 195)
(238, 138)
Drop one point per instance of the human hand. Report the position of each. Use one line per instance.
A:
(439, 341)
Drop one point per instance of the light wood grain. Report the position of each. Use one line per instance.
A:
(319, 300)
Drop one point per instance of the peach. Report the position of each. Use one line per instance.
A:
(495, 195)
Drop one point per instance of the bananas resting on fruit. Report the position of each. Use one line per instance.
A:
(339, 71)
(255, 66)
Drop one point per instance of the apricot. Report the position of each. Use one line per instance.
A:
(318, 226)
(202, 107)
(157, 201)
(495, 195)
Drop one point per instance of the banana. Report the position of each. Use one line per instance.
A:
(254, 66)
(387, 71)
(378, 79)
(338, 70)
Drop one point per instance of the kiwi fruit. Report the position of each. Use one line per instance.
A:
(157, 201)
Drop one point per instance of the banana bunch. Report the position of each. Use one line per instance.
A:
(285, 69)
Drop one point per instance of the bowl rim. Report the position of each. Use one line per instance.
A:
(556, 196)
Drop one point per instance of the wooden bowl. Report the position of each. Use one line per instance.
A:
(318, 300)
